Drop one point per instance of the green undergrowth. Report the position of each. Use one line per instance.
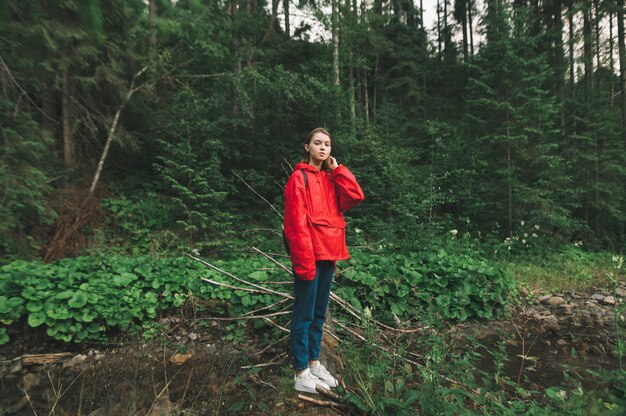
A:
(439, 379)
(568, 269)
(85, 298)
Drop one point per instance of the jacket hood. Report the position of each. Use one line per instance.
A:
(305, 166)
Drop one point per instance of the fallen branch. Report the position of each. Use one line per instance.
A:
(362, 338)
(270, 346)
(345, 305)
(269, 321)
(264, 289)
(321, 390)
(46, 358)
(259, 195)
(324, 403)
(274, 361)
(245, 289)
(265, 307)
(237, 318)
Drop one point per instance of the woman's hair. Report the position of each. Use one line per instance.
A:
(306, 158)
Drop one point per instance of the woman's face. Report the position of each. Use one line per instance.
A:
(318, 148)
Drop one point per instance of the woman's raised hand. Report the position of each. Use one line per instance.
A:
(332, 162)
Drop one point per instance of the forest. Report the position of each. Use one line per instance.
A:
(146, 145)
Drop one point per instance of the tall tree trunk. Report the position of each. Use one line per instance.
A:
(439, 29)
(622, 64)
(571, 45)
(270, 25)
(509, 165)
(153, 32)
(611, 60)
(596, 4)
(587, 49)
(48, 107)
(335, 31)
(446, 34)
(559, 59)
(286, 10)
(350, 20)
(68, 134)
(366, 104)
(470, 18)
(237, 67)
(462, 13)
(422, 14)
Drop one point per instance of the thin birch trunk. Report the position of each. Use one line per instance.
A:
(68, 134)
(112, 129)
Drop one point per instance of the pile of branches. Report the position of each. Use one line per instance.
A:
(270, 313)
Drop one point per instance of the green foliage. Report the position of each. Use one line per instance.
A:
(457, 286)
(85, 298)
(23, 181)
(445, 382)
(139, 224)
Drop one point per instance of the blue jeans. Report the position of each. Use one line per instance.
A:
(309, 314)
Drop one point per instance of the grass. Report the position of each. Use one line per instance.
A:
(571, 269)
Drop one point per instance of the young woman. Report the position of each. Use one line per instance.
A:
(317, 193)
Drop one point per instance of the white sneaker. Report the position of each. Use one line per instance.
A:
(319, 371)
(306, 382)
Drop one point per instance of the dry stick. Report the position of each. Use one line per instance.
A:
(270, 346)
(276, 325)
(259, 195)
(265, 307)
(346, 306)
(236, 318)
(245, 289)
(264, 289)
(324, 403)
(162, 391)
(354, 312)
(327, 393)
(359, 336)
(116, 118)
(274, 361)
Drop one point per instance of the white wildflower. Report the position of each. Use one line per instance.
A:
(358, 230)
(522, 223)
(534, 235)
(536, 226)
(454, 232)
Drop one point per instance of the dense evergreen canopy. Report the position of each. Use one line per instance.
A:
(509, 119)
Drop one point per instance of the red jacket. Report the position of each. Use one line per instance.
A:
(314, 224)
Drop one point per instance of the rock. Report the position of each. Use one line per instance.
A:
(543, 298)
(561, 342)
(554, 301)
(29, 381)
(523, 292)
(193, 336)
(16, 365)
(620, 292)
(162, 406)
(551, 323)
(566, 308)
(597, 296)
(76, 361)
(609, 300)
(179, 358)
